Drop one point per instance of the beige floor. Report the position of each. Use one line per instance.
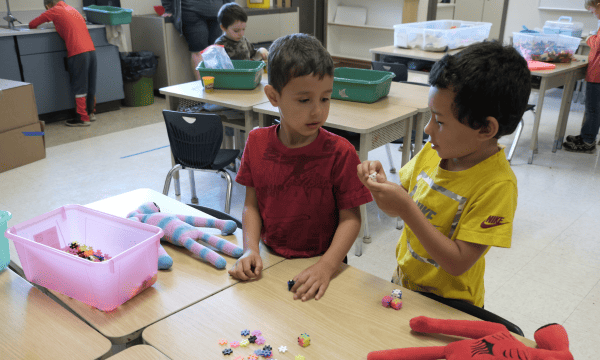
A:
(551, 273)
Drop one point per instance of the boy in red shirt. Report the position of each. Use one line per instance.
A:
(302, 192)
(81, 61)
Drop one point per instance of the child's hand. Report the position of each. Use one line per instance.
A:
(312, 282)
(264, 53)
(366, 168)
(249, 266)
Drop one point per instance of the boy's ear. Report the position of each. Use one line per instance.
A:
(272, 95)
(222, 28)
(490, 129)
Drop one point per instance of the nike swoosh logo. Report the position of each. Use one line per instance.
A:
(485, 226)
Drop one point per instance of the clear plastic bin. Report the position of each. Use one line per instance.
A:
(440, 35)
(546, 47)
(564, 26)
(133, 248)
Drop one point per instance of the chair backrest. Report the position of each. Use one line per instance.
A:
(195, 138)
(400, 70)
(216, 213)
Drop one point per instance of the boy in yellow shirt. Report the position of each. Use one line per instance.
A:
(458, 195)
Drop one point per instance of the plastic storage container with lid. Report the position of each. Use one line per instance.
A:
(546, 47)
(105, 285)
(440, 35)
(564, 26)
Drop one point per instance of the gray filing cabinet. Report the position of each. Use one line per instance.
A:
(43, 61)
(9, 59)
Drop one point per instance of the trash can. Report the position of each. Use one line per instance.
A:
(4, 249)
(138, 68)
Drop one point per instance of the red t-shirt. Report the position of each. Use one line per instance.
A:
(593, 69)
(70, 25)
(301, 191)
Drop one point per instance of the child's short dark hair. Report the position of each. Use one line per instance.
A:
(488, 79)
(230, 13)
(297, 55)
(51, 2)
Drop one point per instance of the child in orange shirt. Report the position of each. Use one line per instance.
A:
(81, 60)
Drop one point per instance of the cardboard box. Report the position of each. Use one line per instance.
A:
(18, 149)
(279, 3)
(17, 105)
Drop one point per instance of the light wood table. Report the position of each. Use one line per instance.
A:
(187, 282)
(35, 327)
(563, 75)
(139, 352)
(347, 323)
(417, 54)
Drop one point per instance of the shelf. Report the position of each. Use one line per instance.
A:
(363, 26)
(557, 9)
(446, 5)
(352, 57)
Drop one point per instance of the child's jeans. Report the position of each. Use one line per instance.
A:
(590, 127)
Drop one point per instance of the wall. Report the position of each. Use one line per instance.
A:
(526, 13)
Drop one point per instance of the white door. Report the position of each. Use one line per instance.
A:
(492, 13)
(469, 10)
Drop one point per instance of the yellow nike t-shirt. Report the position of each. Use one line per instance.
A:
(476, 205)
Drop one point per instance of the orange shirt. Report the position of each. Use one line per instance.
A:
(593, 69)
(70, 25)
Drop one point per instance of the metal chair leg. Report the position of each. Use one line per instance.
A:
(175, 169)
(229, 190)
(389, 153)
(193, 187)
(515, 141)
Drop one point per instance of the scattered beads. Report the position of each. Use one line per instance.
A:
(282, 349)
(260, 340)
(222, 342)
(85, 252)
(396, 304)
(256, 333)
(291, 284)
(267, 347)
(252, 357)
(239, 358)
(244, 343)
(252, 339)
(245, 332)
(304, 340)
(299, 357)
(234, 344)
(397, 293)
(385, 302)
(227, 351)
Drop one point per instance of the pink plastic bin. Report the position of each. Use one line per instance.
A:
(105, 285)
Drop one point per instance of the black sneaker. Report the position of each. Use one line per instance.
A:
(574, 139)
(77, 122)
(582, 147)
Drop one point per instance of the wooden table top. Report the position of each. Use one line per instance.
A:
(563, 68)
(410, 95)
(233, 99)
(347, 323)
(139, 352)
(354, 116)
(187, 282)
(36, 327)
(412, 53)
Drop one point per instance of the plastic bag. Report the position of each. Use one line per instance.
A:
(215, 57)
(134, 65)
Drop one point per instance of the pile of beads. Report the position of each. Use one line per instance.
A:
(86, 252)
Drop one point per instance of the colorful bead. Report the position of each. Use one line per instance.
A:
(252, 357)
(244, 343)
(234, 344)
(252, 339)
(227, 351)
(396, 304)
(299, 357)
(282, 349)
(256, 333)
(267, 347)
(239, 358)
(245, 332)
(397, 293)
(222, 342)
(385, 302)
(304, 340)
(260, 340)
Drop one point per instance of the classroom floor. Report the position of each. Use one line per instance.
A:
(550, 275)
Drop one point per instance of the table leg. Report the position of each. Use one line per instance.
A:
(363, 155)
(173, 103)
(248, 124)
(375, 56)
(563, 114)
(407, 143)
(536, 122)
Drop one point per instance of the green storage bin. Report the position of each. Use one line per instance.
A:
(107, 15)
(139, 93)
(245, 75)
(4, 249)
(361, 85)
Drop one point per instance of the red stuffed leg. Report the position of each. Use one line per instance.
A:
(473, 329)
(415, 353)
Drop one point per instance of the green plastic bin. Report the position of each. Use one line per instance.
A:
(139, 93)
(107, 15)
(361, 85)
(245, 75)
(4, 249)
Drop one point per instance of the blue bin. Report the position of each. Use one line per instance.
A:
(4, 249)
